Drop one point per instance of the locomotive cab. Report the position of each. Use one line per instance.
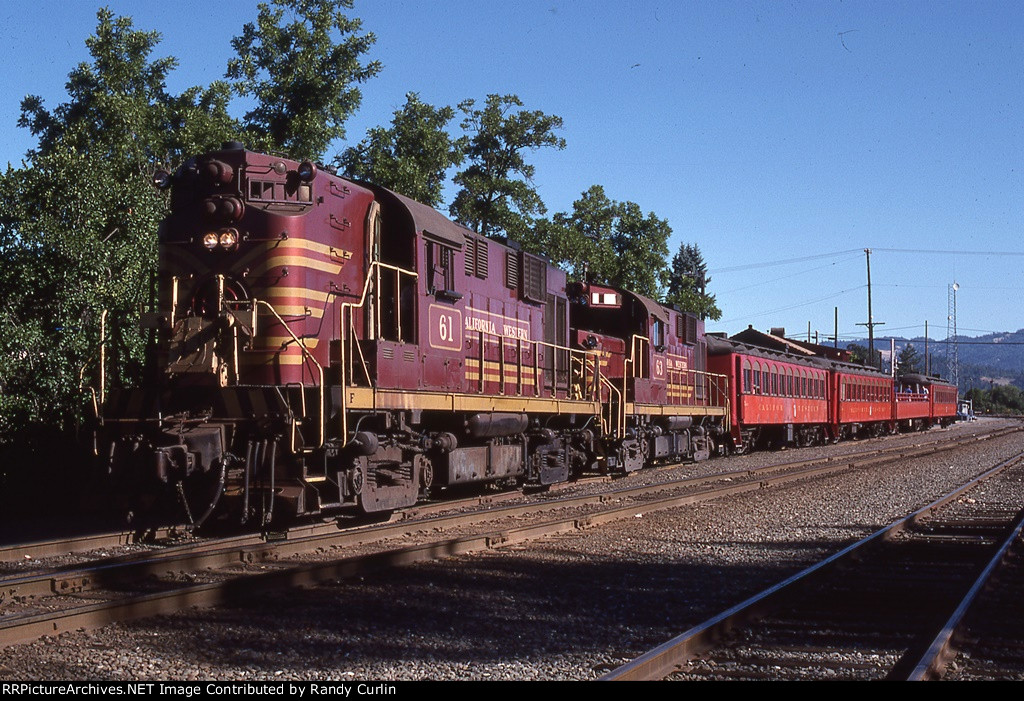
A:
(255, 257)
(662, 402)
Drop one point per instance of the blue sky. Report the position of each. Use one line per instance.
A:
(763, 132)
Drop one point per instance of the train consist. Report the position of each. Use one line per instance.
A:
(319, 343)
(782, 398)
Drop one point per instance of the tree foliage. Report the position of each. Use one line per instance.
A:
(497, 196)
(579, 241)
(607, 242)
(77, 221)
(687, 283)
(640, 243)
(859, 354)
(909, 360)
(412, 156)
(302, 73)
(1000, 399)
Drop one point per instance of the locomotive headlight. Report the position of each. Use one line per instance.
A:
(306, 171)
(228, 239)
(161, 180)
(210, 240)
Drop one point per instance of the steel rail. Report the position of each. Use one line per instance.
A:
(78, 544)
(942, 649)
(664, 659)
(253, 548)
(29, 627)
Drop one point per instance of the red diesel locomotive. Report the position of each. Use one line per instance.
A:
(321, 343)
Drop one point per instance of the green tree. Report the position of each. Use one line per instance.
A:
(687, 283)
(1006, 399)
(118, 109)
(412, 156)
(641, 247)
(78, 221)
(909, 360)
(859, 354)
(980, 400)
(607, 242)
(302, 73)
(580, 241)
(497, 196)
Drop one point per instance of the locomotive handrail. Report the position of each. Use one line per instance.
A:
(320, 370)
(97, 405)
(373, 274)
(484, 337)
(630, 364)
(362, 358)
(714, 395)
(606, 423)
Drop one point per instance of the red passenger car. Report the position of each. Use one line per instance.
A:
(777, 398)
(923, 401)
(943, 402)
(861, 401)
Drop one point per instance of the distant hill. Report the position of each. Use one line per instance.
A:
(992, 359)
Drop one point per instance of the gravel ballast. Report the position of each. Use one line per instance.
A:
(567, 607)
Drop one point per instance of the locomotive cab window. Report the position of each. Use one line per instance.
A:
(658, 334)
(441, 271)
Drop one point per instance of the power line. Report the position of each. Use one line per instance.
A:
(762, 283)
(786, 261)
(792, 306)
(916, 251)
(949, 253)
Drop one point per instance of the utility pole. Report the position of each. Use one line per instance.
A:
(871, 323)
(927, 360)
(835, 339)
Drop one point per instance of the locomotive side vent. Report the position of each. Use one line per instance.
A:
(511, 270)
(470, 265)
(534, 279)
(481, 260)
(476, 257)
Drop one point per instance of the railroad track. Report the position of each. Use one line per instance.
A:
(204, 574)
(890, 606)
(170, 535)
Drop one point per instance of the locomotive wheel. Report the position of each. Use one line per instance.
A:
(426, 476)
(356, 479)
